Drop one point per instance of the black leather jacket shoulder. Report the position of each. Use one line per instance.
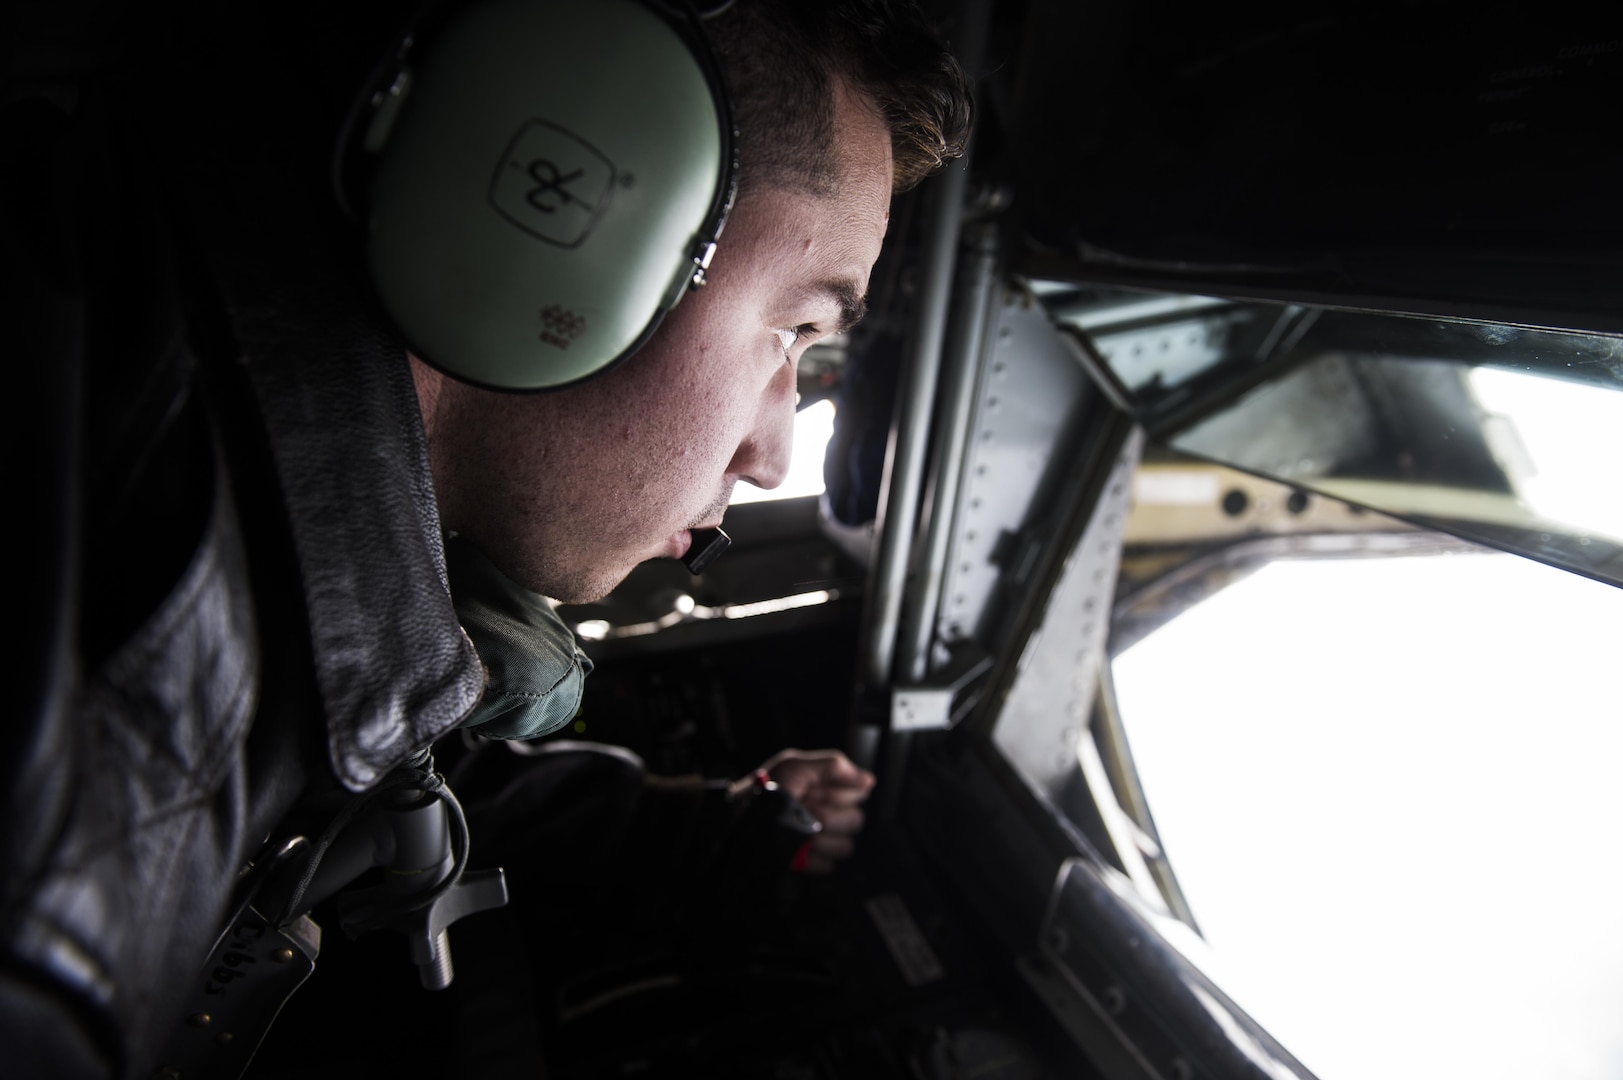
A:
(232, 569)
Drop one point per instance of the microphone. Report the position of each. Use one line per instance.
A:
(707, 546)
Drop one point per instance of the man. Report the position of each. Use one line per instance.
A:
(241, 586)
(707, 403)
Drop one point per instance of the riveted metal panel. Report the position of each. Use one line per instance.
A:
(1029, 385)
(1049, 707)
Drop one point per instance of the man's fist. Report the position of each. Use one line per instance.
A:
(831, 786)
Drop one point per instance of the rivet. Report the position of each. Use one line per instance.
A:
(282, 956)
(200, 1020)
(224, 1037)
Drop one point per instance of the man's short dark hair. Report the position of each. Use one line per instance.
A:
(782, 58)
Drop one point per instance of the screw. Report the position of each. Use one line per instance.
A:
(436, 974)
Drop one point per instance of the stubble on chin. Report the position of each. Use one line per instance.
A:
(581, 570)
(589, 587)
(566, 584)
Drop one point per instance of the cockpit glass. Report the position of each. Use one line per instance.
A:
(1382, 764)
(1506, 435)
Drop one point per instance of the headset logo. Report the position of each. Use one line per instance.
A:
(560, 326)
(552, 184)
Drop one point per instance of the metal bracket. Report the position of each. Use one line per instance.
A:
(931, 707)
(920, 708)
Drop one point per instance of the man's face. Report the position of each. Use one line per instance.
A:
(568, 491)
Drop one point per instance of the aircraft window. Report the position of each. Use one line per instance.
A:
(1383, 763)
(1504, 434)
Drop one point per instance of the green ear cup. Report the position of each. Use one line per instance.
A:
(544, 188)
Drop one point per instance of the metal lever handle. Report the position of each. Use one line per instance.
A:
(425, 928)
(422, 860)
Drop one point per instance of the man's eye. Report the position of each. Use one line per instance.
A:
(789, 335)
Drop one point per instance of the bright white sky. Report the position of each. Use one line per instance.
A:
(1392, 791)
(1572, 437)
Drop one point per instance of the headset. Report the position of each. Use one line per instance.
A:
(540, 182)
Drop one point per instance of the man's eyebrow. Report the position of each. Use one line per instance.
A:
(852, 303)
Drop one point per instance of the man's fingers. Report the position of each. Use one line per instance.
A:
(801, 771)
(798, 774)
(819, 798)
(841, 771)
(835, 798)
(846, 820)
(833, 788)
(830, 846)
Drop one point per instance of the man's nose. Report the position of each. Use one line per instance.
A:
(762, 457)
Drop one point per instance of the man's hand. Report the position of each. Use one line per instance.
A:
(831, 786)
